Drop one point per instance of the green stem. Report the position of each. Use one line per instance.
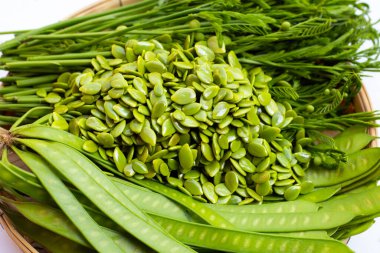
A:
(137, 26)
(47, 64)
(84, 55)
(35, 80)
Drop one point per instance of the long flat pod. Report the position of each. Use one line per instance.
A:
(51, 241)
(11, 179)
(361, 203)
(201, 210)
(294, 206)
(89, 179)
(68, 203)
(55, 220)
(289, 222)
(228, 240)
(357, 164)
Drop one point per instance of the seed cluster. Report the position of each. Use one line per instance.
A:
(188, 116)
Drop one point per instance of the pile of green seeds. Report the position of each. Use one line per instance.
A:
(188, 116)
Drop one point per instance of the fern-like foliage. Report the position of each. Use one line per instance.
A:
(284, 92)
(337, 98)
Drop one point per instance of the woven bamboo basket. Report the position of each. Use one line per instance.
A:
(361, 103)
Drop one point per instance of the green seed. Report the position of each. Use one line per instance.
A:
(190, 121)
(175, 181)
(52, 98)
(90, 146)
(283, 160)
(118, 129)
(233, 60)
(186, 159)
(148, 135)
(184, 96)
(194, 187)
(292, 192)
(168, 128)
(122, 111)
(264, 98)
(191, 109)
(108, 110)
(231, 181)
(128, 170)
(247, 165)
(105, 139)
(95, 124)
(155, 66)
(204, 51)
(212, 168)
(222, 190)
(141, 46)
(137, 95)
(263, 189)
(257, 148)
(155, 79)
(207, 152)
(159, 108)
(164, 169)
(184, 65)
(118, 51)
(220, 110)
(209, 192)
(119, 159)
(139, 167)
(211, 92)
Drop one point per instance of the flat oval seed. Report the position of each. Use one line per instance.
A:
(53, 98)
(90, 146)
(105, 139)
(186, 159)
(159, 108)
(136, 126)
(209, 192)
(155, 79)
(184, 65)
(264, 188)
(264, 98)
(119, 159)
(137, 95)
(122, 111)
(257, 149)
(222, 190)
(95, 124)
(118, 129)
(212, 168)
(211, 92)
(108, 109)
(231, 180)
(155, 66)
(220, 110)
(292, 192)
(190, 121)
(191, 109)
(247, 165)
(194, 187)
(184, 96)
(283, 160)
(91, 88)
(204, 51)
(207, 152)
(148, 135)
(141, 46)
(139, 166)
(128, 170)
(168, 128)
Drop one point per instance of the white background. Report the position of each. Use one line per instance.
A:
(27, 14)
